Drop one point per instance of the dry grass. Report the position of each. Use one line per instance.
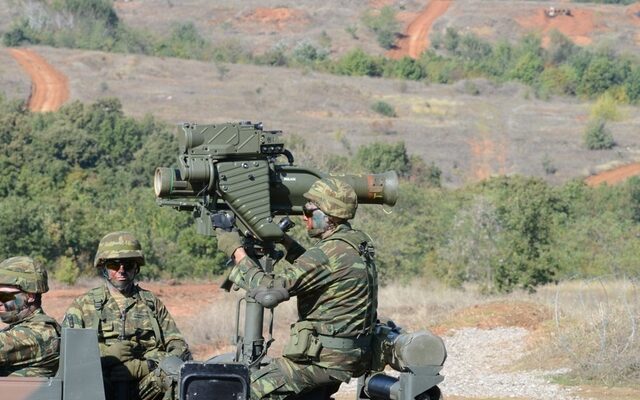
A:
(594, 330)
(417, 306)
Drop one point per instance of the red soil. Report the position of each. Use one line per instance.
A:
(277, 18)
(416, 37)
(578, 26)
(615, 175)
(49, 87)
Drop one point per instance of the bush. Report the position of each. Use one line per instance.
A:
(384, 108)
(597, 137)
(595, 330)
(66, 271)
(606, 108)
(383, 24)
(306, 53)
(408, 68)
(358, 63)
(601, 74)
(381, 157)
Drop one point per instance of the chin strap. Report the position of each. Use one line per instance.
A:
(126, 288)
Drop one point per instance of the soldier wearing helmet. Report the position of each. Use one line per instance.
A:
(136, 333)
(335, 282)
(30, 344)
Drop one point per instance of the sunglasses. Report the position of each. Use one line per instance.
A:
(308, 209)
(114, 265)
(7, 297)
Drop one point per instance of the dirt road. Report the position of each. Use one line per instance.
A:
(416, 37)
(49, 87)
(615, 175)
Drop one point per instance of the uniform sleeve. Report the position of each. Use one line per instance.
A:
(18, 345)
(310, 270)
(174, 341)
(74, 316)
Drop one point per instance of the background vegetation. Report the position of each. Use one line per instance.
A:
(561, 68)
(71, 176)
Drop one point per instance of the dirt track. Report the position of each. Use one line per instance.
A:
(49, 87)
(615, 175)
(416, 37)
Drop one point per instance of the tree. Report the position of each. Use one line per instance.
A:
(597, 137)
(380, 157)
(383, 24)
(357, 62)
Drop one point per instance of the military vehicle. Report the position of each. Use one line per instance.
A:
(229, 177)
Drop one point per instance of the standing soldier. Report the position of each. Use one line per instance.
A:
(336, 285)
(30, 345)
(136, 334)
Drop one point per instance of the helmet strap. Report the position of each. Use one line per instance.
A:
(126, 287)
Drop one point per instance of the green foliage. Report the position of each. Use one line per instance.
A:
(184, 42)
(380, 157)
(74, 175)
(527, 68)
(383, 24)
(66, 271)
(408, 68)
(634, 198)
(384, 108)
(306, 53)
(606, 108)
(597, 136)
(358, 63)
(71, 176)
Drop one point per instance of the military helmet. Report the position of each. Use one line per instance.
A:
(118, 245)
(334, 197)
(24, 273)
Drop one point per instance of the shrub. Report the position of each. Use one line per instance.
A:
(358, 63)
(66, 271)
(601, 74)
(606, 108)
(561, 80)
(380, 157)
(307, 53)
(384, 108)
(527, 68)
(408, 68)
(597, 137)
(383, 24)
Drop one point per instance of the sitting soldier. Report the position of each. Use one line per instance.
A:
(30, 345)
(136, 334)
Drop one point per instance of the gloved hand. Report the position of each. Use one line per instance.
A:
(132, 370)
(228, 241)
(117, 352)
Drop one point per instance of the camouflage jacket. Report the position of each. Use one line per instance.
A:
(336, 287)
(145, 320)
(30, 347)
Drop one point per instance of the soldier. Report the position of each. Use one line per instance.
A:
(136, 333)
(336, 285)
(30, 345)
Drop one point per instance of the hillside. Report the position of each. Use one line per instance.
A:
(471, 130)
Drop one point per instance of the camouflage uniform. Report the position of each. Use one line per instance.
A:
(143, 319)
(30, 346)
(335, 282)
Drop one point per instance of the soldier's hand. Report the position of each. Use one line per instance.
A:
(138, 368)
(228, 241)
(121, 350)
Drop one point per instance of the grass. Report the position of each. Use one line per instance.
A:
(594, 330)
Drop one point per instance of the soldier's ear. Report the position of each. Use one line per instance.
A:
(31, 298)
